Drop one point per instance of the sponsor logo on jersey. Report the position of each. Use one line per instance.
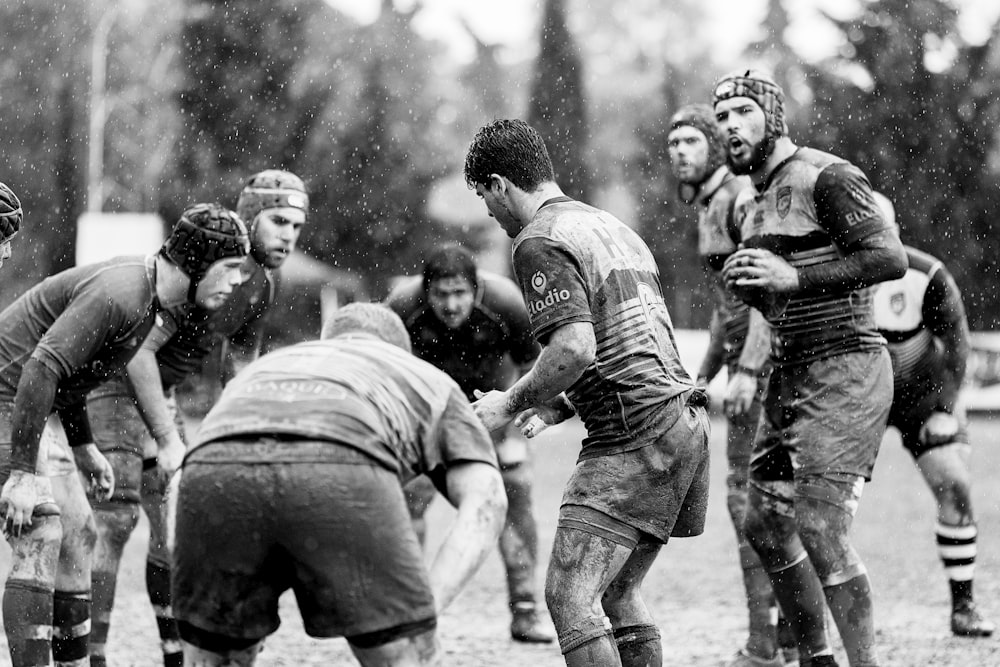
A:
(539, 282)
(897, 303)
(554, 296)
(784, 201)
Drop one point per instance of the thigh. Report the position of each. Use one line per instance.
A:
(582, 566)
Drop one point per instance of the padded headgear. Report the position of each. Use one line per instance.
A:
(272, 188)
(702, 118)
(205, 234)
(762, 89)
(10, 214)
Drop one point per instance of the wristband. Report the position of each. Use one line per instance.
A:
(752, 372)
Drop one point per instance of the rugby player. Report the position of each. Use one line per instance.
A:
(923, 318)
(739, 341)
(295, 481)
(595, 304)
(473, 325)
(814, 242)
(59, 340)
(135, 418)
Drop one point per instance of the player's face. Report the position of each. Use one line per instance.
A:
(495, 198)
(218, 283)
(688, 151)
(4, 252)
(275, 233)
(745, 128)
(451, 300)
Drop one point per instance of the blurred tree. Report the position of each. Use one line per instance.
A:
(44, 56)
(917, 108)
(556, 107)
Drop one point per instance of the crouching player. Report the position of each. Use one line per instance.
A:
(295, 481)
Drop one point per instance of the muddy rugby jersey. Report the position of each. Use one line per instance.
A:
(84, 324)
(910, 312)
(474, 353)
(718, 238)
(400, 411)
(812, 205)
(576, 263)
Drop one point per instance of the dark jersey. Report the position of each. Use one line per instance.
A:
(576, 263)
(186, 334)
(913, 313)
(474, 354)
(718, 238)
(362, 393)
(811, 207)
(84, 324)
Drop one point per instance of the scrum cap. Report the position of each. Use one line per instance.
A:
(272, 188)
(10, 213)
(762, 89)
(702, 118)
(205, 234)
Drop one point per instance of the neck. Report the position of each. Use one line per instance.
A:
(171, 283)
(783, 148)
(534, 200)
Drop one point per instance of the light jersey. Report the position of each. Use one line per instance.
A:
(811, 207)
(408, 416)
(910, 312)
(475, 353)
(718, 238)
(576, 263)
(186, 334)
(84, 324)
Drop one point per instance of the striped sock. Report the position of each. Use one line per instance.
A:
(957, 550)
(27, 613)
(158, 587)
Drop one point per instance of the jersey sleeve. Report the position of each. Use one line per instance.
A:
(553, 284)
(459, 436)
(78, 334)
(164, 328)
(845, 206)
(943, 310)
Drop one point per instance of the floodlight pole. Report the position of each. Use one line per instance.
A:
(98, 110)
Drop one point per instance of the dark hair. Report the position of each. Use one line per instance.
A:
(450, 261)
(512, 149)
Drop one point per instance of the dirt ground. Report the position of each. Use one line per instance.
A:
(694, 590)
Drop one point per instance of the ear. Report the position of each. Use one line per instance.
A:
(497, 183)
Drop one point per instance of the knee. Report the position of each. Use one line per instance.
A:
(618, 599)
(36, 549)
(115, 524)
(737, 504)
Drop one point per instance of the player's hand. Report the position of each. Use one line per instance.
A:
(759, 268)
(533, 421)
(740, 392)
(17, 502)
(491, 408)
(170, 455)
(939, 429)
(97, 472)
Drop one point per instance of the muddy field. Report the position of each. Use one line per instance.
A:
(694, 589)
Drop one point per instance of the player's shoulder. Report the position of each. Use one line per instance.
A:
(733, 187)
(406, 296)
(126, 281)
(498, 292)
(923, 262)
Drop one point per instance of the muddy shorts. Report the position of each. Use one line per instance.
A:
(121, 435)
(334, 529)
(54, 458)
(660, 490)
(825, 417)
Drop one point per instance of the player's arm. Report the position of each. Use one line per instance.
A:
(89, 460)
(476, 490)
(944, 314)
(713, 360)
(743, 385)
(143, 373)
(570, 349)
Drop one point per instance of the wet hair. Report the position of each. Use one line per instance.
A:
(374, 319)
(511, 148)
(450, 261)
